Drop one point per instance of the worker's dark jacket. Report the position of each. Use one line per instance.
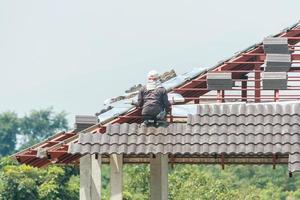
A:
(153, 101)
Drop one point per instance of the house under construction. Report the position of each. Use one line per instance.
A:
(244, 110)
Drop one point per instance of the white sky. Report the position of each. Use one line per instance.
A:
(73, 54)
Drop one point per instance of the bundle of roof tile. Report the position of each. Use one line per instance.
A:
(84, 121)
(278, 62)
(219, 80)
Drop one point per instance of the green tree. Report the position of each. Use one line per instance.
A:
(185, 182)
(72, 188)
(19, 182)
(9, 127)
(24, 182)
(191, 182)
(51, 186)
(36, 126)
(136, 182)
(272, 192)
(41, 124)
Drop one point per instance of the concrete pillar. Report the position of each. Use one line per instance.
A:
(90, 177)
(116, 177)
(85, 176)
(159, 177)
(96, 177)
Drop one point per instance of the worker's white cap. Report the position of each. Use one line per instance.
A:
(153, 74)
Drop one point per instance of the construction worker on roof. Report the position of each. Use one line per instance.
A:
(153, 99)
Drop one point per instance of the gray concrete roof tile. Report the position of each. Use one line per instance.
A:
(216, 129)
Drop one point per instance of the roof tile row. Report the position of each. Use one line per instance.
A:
(239, 129)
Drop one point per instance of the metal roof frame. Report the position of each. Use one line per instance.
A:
(194, 91)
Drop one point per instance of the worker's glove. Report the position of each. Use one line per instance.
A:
(161, 115)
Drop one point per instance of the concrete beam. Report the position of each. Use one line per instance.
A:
(90, 177)
(159, 177)
(116, 177)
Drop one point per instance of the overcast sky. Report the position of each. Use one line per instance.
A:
(73, 54)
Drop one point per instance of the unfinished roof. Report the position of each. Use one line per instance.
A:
(239, 129)
(246, 67)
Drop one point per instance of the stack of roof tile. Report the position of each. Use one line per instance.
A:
(219, 80)
(276, 45)
(273, 80)
(278, 60)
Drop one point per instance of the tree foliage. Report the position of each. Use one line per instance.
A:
(26, 182)
(191, 182)
(36, 126)
(210, 182)
(40, 124)
(9, 124)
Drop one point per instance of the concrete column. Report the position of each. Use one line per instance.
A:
(85, 177)
(116, 177)
(96, 177)
(159, 177)
(90, 177)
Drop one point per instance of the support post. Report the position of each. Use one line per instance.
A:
(196, 101)
(219, 98)
(96, 177)
(223, 96)
(85, 176)
(116, 177)
(159, 177)
(257, 83)
(244, 88)
(276, 95)
(171, 116)
(90, 177)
